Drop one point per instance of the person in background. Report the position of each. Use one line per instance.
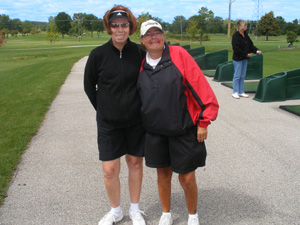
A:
(177, 106)
(110, 79)
(242, 48)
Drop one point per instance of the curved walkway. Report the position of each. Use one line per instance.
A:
(252, 174)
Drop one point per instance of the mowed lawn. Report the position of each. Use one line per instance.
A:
(31, 75)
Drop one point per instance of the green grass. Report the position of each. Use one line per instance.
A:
(209, 73)
(31, 74)
(249, 86)
(274, 60)
(29, 81)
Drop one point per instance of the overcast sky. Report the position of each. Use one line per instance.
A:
(41, 10)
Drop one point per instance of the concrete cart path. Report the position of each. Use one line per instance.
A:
(252, 174)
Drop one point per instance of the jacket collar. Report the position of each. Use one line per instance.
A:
(165, 60)
(128, 42)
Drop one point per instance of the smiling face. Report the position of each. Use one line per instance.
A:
(120, 33)
(154, 40)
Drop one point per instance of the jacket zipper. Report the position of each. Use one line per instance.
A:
(125, 94)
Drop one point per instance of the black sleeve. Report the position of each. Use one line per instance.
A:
(90, 79)
(253, 49)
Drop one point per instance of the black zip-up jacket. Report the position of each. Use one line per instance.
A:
(110, 79)
(175, 95)
(242, 46)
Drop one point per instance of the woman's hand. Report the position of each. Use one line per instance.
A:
(201, 133)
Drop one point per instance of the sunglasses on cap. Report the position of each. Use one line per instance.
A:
(115, 25)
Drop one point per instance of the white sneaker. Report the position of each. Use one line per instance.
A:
(193, 221)
(244, 95)
(165, 219)
(136, 217)
(235, 95)
(111, 218)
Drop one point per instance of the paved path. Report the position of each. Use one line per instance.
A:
(252, 174)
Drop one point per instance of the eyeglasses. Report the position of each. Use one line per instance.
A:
(116, 25)
(154, 34)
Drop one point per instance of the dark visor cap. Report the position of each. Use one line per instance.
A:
(118, 15)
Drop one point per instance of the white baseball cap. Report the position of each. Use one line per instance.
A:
(149, 24)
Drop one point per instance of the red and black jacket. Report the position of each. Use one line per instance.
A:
(175, 95)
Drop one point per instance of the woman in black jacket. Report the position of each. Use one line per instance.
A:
(110, 79)
(242, 48)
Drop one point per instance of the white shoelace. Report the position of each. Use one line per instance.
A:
(136, 214)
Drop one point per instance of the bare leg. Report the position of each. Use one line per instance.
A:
(189, 185)
(164, 177)
(111, 171)
(135, 166)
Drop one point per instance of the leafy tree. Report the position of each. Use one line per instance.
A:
(203, 18)
(192, 28)
(298, 30)
(98, 26)
(4, 22)
(14, 33)
(233, 28)
(281, 23)
(34, 31)
(179, 25)
(51, 20)
(290, 27)
(215, 25)
(291, 37)
(267, 26)
(88, 21)
(251, 28)
(5, 31)
(295, 21)
(52, 34)
(63, 23)
(16, 25)
(26, 27)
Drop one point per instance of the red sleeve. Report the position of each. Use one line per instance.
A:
(201, 100)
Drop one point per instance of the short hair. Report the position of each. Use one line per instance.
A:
(132, 19)
(240, 24)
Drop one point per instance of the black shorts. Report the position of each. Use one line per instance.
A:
(183, 153)
(114, 143)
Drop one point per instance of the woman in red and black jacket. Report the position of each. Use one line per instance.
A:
(177, 106)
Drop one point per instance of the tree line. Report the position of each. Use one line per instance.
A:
(195, 27)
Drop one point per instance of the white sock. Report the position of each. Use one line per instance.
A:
(166, 213)
(194, 215)
(134, 206)
(116, 210)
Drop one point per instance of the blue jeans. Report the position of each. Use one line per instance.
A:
(240, 68)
